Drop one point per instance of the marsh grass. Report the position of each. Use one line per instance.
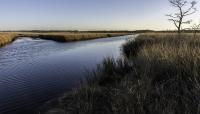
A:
(159, 75)
(77, 36)
(8, 37)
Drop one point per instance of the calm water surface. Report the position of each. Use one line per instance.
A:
(34, 71)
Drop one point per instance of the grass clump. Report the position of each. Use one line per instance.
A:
(6, 38)
(159, 75)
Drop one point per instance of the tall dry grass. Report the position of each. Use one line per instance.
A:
(159, 75)
(8, 37)
(63, 37)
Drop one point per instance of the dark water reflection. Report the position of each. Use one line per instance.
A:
(34, 71)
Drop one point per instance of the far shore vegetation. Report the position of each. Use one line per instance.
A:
(7, 37)
(59, 36)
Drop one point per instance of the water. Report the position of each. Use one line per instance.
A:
(34, 71)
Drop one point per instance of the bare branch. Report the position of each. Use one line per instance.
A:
(178, 17)
(175, 22)
(195, 28)
(191, 9)
(190, 13)
(187, 22)
(171, 16)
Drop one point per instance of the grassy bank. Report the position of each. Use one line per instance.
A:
(159, 75)
(8, 37)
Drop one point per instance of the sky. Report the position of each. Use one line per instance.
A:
(86, 15)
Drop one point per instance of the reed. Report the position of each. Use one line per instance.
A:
(8, 37)
(159, 75)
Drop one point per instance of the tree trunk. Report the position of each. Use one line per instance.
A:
(179, 32)
(179, 27)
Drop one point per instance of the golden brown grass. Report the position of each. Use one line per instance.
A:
(67, 36)
(8, 37)
(171, 49)
(160, 75)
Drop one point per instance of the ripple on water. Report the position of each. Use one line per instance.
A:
(34, 71)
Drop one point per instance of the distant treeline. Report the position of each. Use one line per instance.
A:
(73, 31)
(105, 31)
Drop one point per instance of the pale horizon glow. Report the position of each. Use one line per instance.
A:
(87, 15)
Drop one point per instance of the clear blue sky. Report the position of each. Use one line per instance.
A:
(85, 14)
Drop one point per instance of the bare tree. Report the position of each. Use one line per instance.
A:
(183, 9)
(195, 29)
